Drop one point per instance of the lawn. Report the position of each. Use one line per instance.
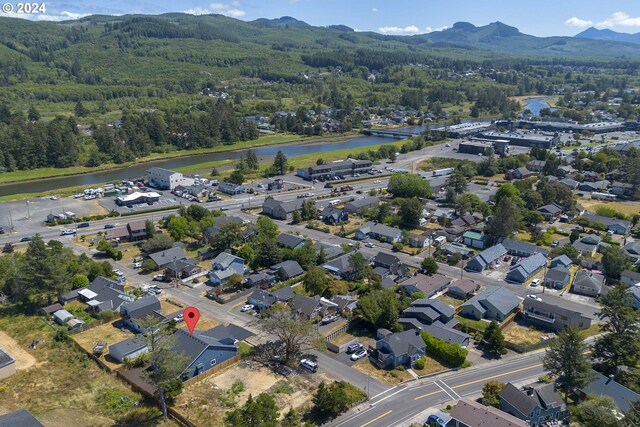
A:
(451, 301)
(65, 384)
(478, 325)
(111, 333)
(389, 376)
(430, 367)
(440, 163)
(627, 208)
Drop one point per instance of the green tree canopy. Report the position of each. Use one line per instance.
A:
(407, 185)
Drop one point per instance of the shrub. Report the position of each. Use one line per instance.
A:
(452, 354)
(420, 363)
(401, 368)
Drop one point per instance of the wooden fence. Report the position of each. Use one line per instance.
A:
(212, 371)
(334, 334)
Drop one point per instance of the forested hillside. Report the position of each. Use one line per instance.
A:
(179, 81)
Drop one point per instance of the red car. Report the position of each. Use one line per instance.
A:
(507, 258)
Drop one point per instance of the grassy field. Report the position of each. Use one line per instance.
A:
(522, 336)
(627, 208)
(478, 325)
(65, 384)
(451, 301)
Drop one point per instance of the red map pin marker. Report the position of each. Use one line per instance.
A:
(191, 317)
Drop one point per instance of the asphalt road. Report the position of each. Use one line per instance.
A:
(400, 404)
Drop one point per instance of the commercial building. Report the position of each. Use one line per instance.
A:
(137, 198)
(165, 179)
(340, 168)
(524, 139)
(464, 129)
(572, 127)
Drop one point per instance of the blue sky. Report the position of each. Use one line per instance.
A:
(537, 17)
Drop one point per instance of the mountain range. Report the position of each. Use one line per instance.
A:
(608, 35)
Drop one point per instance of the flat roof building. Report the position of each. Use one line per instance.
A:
(341, 167)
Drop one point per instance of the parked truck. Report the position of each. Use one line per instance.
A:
(442, 172)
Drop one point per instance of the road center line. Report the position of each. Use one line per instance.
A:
(429, 394)
(377, 418)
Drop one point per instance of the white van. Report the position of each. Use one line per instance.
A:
(334, 202)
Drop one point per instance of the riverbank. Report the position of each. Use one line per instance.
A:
(225, 166)
(24, 176)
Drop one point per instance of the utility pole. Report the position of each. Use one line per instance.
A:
(28, 213)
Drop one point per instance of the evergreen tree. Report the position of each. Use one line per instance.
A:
(567, 361)
(252, 160)
(494, 338)
(33, 115)
(280, 163)
(80, 109)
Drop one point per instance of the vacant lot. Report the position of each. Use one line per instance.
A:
(389, 376)
(24, 360)
(111, 333)
(627, 208)
(522, 335)
(206, 402)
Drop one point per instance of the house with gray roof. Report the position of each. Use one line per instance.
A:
(587, 283)
(434, 317)
(452, 248)
(62, 316)
(618, 226)
(278, 209)
(607, 386)
(262, 299)
(224, 266)
(341, 267)
(360, 205)
(562, 260)
(104, 294)
(526, 269)
(134, 311)
(487, 258)
(537, 405)
(261, 279)
(571, 184)
(633, 251)
(587, 245)
(228, 334)
(287, 270)
(551, 211)
(522, 249)
(630, 278)
(19, 418)
(330, 251)
(493, 304)
(553, 317)
(391, 265)
(231, 188)
(634, 293)
(403, 348)
(129, 348)
(7, 365)
(311, 307)
(333, 215)
(291, 241)
(429, 285)
(163, 258)
(557, 277)
(378, 231)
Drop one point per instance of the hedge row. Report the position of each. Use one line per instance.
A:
(452, 354)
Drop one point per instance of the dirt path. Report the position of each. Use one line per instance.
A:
(24, 360)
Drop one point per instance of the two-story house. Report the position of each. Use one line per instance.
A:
(537, 405)
(553, 317)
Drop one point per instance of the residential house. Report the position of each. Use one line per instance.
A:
(557, 277)
(128, 349)
(428, 285)
(287, 270)
(466, 220)
(618, 226)
(7, 365)
(134, 311)
(132, 232)
(587, 245)
(224, 266)
(553, 317)
(536, 165)
(231, 188)
(453, 248)
(551, 211)
(622, 189)
(435, 318)
(378, 231)
(526, 269)
(211, 232)
(561, 260)
(403, 348)
(571, 184)
(593, 186)
(487, 258)
(262, 299)
(228, 334)
(360, 205)
(345, 304)
(333, 215)
(19, 418)
(537, 405)
(104, 294)
(475, 239)
(587, 283)
(633, 251)
(607, 386)
(469, 413)
(341, 267)
(261, 279)
(493, 304)
(386, 264)
(291, 241)
(163, 258)
(630, 278)
(522, 249)
(419, 240)
(463, 289)
(278, 209)
(634, 293)
(181, 269)
(329, 251)
(311, 307)
(522, 173)
(202, 351)
(284, 294)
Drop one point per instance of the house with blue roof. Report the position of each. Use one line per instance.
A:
(493, 304)
(526, 268)
(562, 260)
(487, 258)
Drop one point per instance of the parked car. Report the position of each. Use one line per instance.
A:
(118, 272)
(158, 278)
(2, 230)
(535, 297)
(53, 198)
(507, 258)
(67, 231)
(434, 421)
(247, 307)
(370, 245)
(359, 354)
(535, 282)
(514, 260)
(26, 239)
(78, 196)
(352, 348)
(83, 225)
(555, 243)
(178, 318)
(137, 264)
(309, 365)
(107, 226)
(329, 319)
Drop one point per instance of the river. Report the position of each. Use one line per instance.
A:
(138, 170)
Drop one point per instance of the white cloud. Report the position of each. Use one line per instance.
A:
(374, 9)
(431, 30)
(619, 19)
(577, 22)
(232, 9)
(411, 29)
(62, 16)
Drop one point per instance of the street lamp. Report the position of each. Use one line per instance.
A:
(28, 213)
